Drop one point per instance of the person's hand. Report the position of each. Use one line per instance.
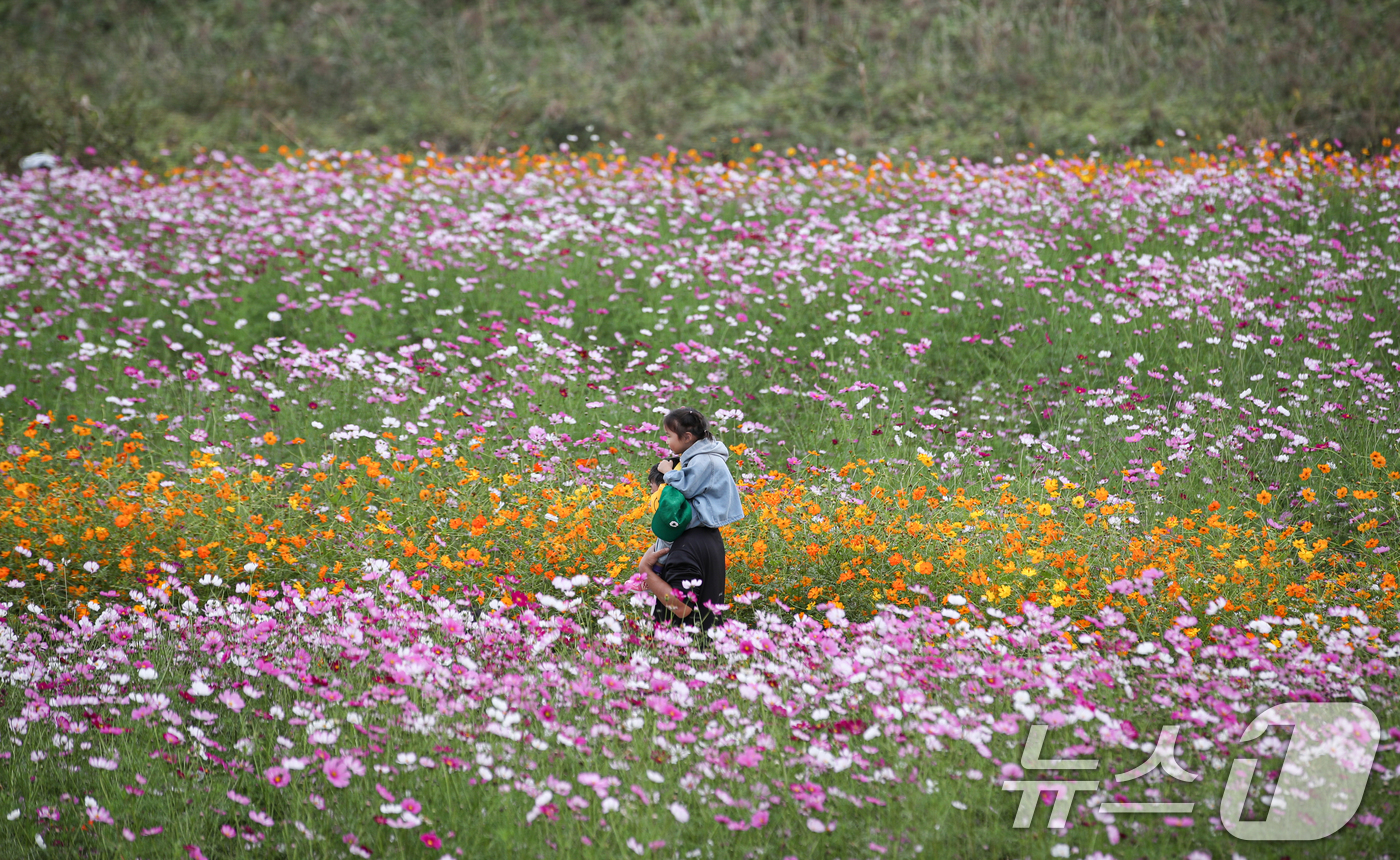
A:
(665, 466)
(649, 559)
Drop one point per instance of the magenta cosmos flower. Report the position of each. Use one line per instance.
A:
(279, 776)
(337, 774)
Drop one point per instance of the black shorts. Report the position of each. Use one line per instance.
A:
(695, 565)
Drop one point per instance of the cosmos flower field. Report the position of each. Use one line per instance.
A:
(323, 492)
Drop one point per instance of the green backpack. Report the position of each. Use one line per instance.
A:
(672, 515)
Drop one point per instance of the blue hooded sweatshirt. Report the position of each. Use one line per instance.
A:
(703, 477)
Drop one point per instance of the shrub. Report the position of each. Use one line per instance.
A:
(36, 118)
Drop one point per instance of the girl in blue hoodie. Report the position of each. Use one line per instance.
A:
(703, 477)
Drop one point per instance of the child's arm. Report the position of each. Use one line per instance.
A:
(696, 475)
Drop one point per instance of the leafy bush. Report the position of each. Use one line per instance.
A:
(978, 79)
(33, 119)
(24, 125)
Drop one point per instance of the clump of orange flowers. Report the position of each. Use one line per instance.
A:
(78, 521)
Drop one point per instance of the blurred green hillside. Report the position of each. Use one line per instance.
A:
(130, 77)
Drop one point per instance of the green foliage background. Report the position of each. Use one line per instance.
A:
(129, 77)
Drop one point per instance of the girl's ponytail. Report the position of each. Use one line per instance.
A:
(685, 420)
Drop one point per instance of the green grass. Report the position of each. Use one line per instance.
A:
(980, 80)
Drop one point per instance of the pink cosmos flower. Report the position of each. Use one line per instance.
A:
(278, 776)
(431, 840)
(337, 774)
(231, 700)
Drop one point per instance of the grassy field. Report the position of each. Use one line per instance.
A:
(322, 508)
(130, 79)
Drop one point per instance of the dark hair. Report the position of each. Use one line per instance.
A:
(685, 420)
(656, 476)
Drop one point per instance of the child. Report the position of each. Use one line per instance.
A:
(703, 478)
